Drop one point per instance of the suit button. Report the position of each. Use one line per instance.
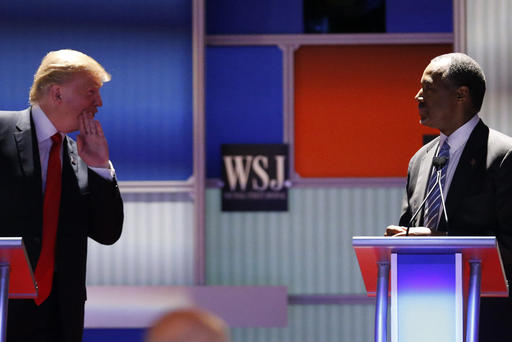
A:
(37, 240)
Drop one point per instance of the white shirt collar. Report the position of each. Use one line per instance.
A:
(44, 127)
(459, 138)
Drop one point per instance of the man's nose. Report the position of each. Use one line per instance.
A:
(419, 96)
(97, 101)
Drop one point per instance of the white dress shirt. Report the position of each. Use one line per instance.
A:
(44, 131)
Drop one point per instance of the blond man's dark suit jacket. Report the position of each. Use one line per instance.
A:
(479, 201)
(90, 207)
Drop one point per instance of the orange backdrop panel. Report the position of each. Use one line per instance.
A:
(355, 113)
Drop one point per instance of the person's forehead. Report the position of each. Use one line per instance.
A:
(434, 72)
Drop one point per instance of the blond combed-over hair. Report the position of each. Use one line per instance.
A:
(57, 67)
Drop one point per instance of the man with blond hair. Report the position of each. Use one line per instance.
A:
(188, 325)
(56, 193)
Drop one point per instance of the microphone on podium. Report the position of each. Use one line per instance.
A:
(439, 163)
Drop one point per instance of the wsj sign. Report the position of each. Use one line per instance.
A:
(254, 177)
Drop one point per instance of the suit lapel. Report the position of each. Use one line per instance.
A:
(468, 171)
(72, 154)
(25, 144)
(423, 178)
(28, 155)
(27, 148)
(79, 170)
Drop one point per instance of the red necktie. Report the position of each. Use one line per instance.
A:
(51, 205)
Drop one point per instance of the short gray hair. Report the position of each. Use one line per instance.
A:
(465, 71)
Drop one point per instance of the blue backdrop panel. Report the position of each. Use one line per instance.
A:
(244, 99)
(109, 335)
(147, 107)
(135, 12)
(254, 16)
(419, 16)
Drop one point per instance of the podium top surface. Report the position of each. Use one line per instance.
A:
(371, 250)
(8, 242)
(435, 242)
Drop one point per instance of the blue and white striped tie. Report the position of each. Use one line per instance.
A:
(434, 201)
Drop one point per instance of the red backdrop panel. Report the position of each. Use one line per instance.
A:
(355, 113)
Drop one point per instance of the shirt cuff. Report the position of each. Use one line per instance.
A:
(107, 173)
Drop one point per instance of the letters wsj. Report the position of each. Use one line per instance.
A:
(255, 177)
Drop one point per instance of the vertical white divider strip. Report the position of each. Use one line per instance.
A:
(394, 298)
(459, 25)
(198, 47)
(459, 308)
(288, 51)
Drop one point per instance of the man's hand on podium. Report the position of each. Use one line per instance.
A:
(413, 231)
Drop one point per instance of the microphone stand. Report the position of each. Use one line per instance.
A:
(423, 202)
(439, 163)
(442, 196)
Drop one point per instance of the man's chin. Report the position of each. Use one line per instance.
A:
(70, 129)
(425, 121)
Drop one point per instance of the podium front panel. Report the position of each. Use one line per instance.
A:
(426, 297)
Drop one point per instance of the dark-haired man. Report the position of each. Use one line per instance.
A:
(477, 179)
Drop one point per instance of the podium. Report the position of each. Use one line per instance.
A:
(16, 277)
(430, 278)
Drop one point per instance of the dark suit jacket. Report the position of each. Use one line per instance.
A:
(90, 207)
(479, 201)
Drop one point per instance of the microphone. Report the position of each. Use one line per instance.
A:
(439, 163)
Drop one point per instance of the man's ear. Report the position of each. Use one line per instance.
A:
(56, 93)
(463, 94)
